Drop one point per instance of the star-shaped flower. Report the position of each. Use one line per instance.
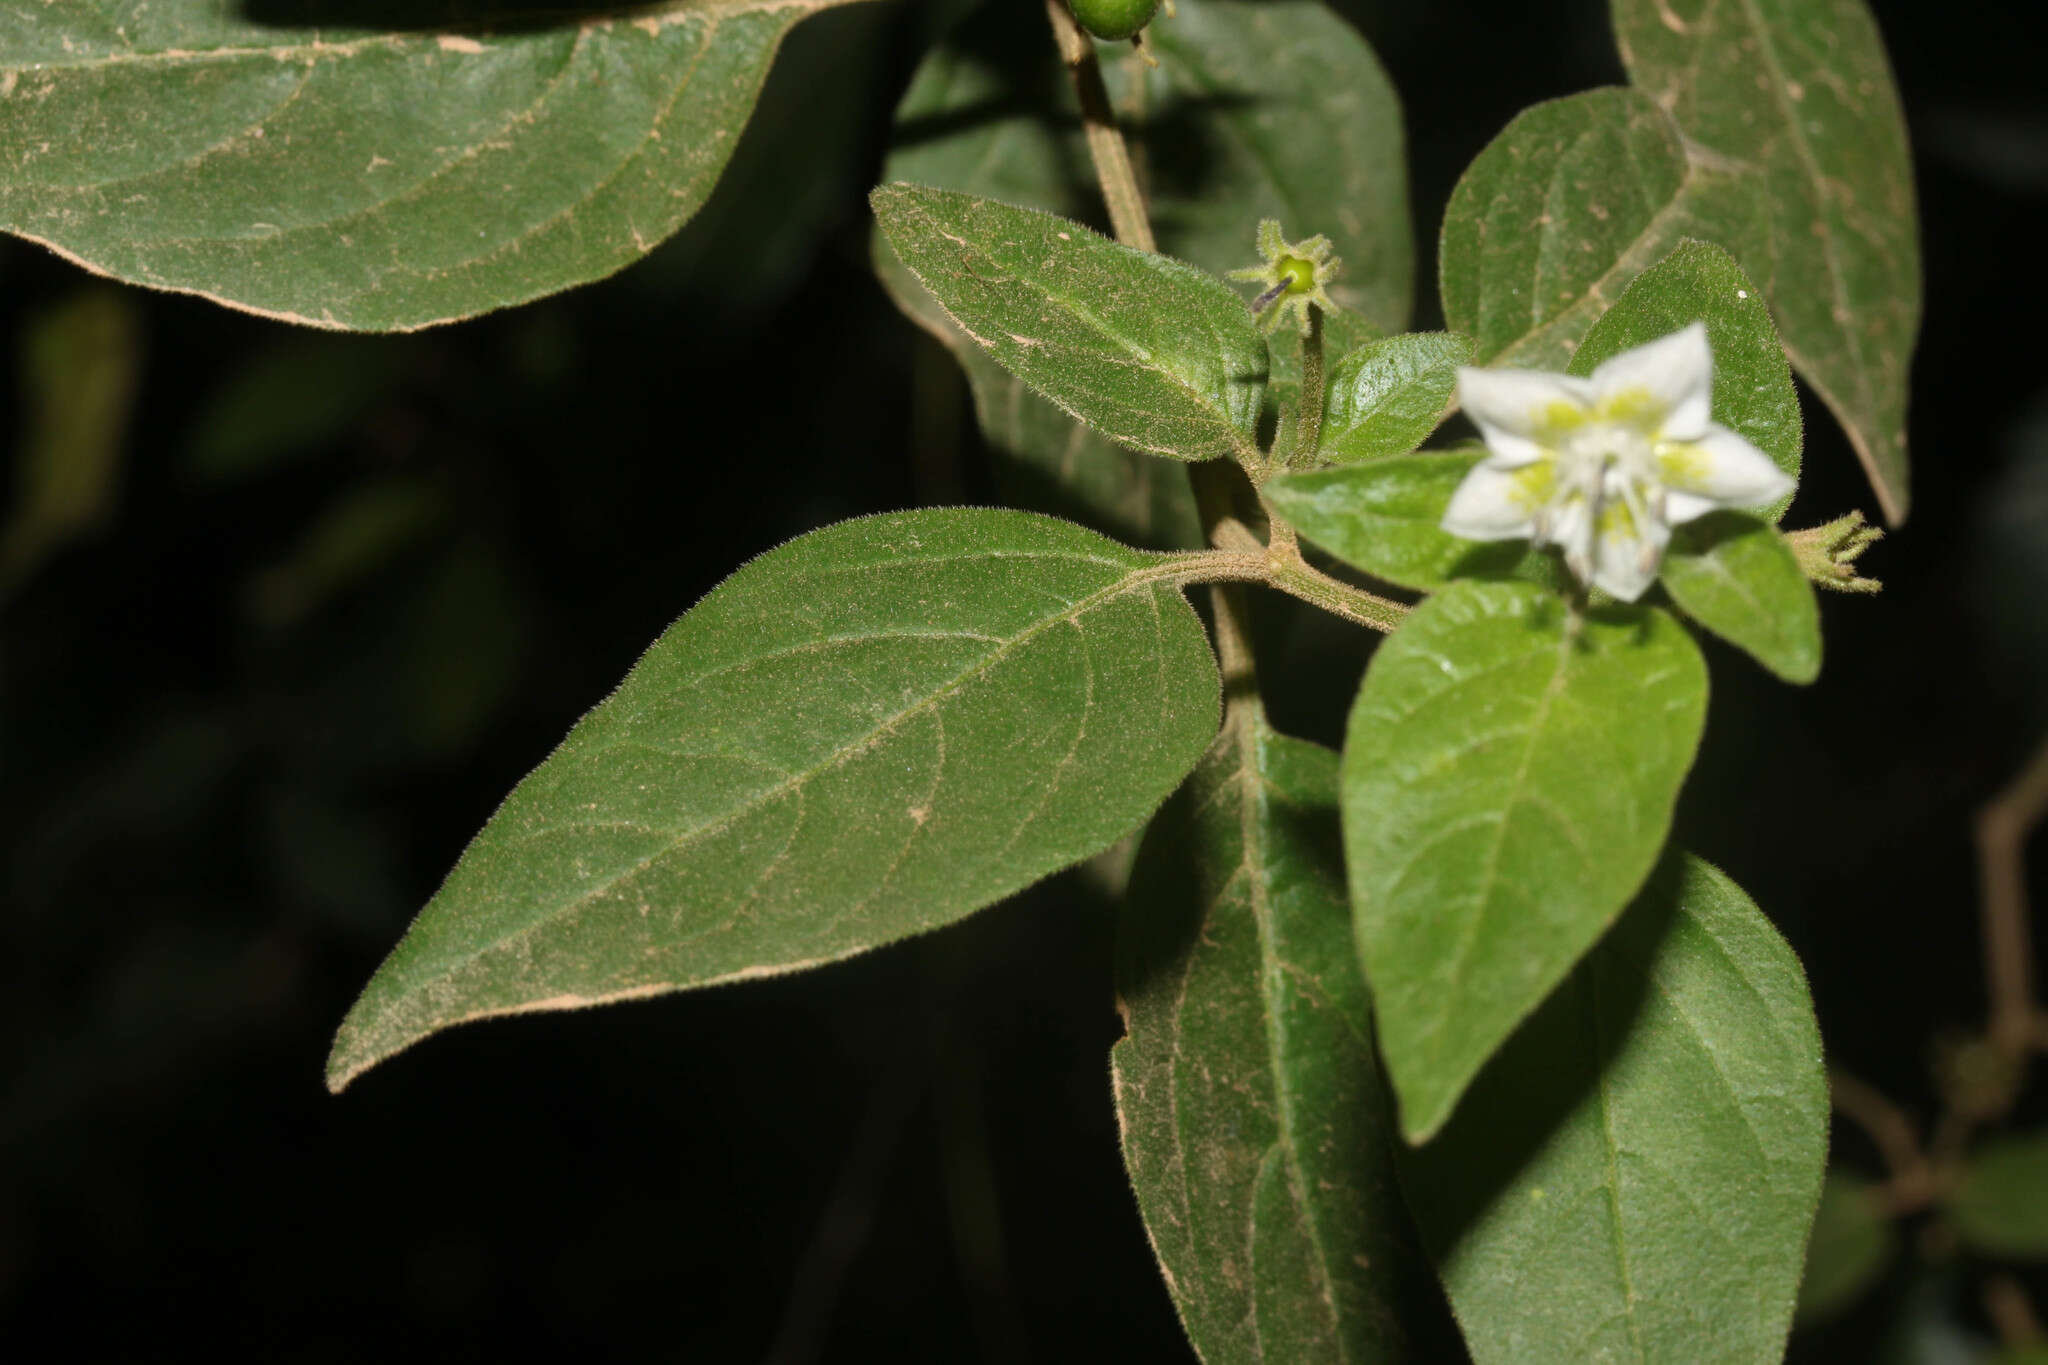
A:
(1603, 467)
(1294, 274)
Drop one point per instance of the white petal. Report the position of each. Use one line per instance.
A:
(1511, 407)
(1626, 557)
(1676, 372)
(1720, 469)
(1486, 507)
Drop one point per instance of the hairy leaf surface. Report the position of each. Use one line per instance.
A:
(1256, 1126)
(1508, 784)
(1798, 93)
(1387, 396)
(869, 732)
(379, 179)
(1736, 576)
(1632, 1179)
(1148, 351)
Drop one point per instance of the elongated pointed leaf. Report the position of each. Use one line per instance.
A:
(1632, 1179)
(1256, 1126)
(1753, 394)
(1851, 1243)
(1736, 576)
(1386, 397)
(1383, 516)
(1798, 93)
(1146, 350)
(869, 732)
(1508, 784)
(374, 179)
(2001, 1206)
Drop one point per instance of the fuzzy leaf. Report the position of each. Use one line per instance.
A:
(1632, 1179)
(1799, 94)
(869, 732)
(1736, 576)
(1508, 784)
(1146, 350)
(1383, 517)
(1256, 1126)
(376, 179)
(1386, 397)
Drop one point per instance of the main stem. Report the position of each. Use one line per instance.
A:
(1309, 432)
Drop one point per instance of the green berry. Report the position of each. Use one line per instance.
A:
(1297, 275)
(1111, 20)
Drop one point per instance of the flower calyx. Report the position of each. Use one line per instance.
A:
(1827, 553)
(1295, 276)
(1604, 466)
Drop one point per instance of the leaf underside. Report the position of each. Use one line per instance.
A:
(1256, 1127)
(371, 179)
(867, 733)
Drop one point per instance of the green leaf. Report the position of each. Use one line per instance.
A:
(1386, 397)
(1798, 92)
(1549, 223)
(366, 178)
(1256, 1127)
(1753, 394)
(2001, 1206)
(1633, 1177)
(1383, 517)
(1508, 783)
(1852, 1242)
(1736, 576)
(1146, 350)
(869, 732)
(1268, 110)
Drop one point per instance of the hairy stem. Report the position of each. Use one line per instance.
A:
(1309, 433)
(2003, 824)
(1912, 1185)
(1106, 147)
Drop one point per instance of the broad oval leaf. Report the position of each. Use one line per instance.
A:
(1552, 220)
(1736, 576)
(1508, 783)
(1256, 1126)
(364, 178)
(1387, 396)
(1384, 517)
(867, 733)
(1753, 394)
(1632, 1179)
(1799, 94)
(1146, 350)
(2001, 1206)
(1851, 1243)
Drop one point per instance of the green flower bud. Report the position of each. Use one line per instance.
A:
(1112, 20)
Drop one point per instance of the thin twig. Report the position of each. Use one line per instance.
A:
(1105, 142)
(2003, 824)
(1912, 1184)
(2011, 1312)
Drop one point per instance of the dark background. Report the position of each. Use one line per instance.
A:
(350, 589)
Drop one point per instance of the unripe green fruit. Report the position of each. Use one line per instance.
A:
(1111, 20)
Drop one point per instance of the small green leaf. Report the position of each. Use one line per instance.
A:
(2001, 1206)
(1508, 783)
(1383, 517)
(1386, 397)
(1146, 350)
(1256, 1127)
(1736, 576)
(867, 733)
(1633, 1177)
(1799, 95)
(1852, 1242)
(1552, 220)
(364, 178)
(1753, 394)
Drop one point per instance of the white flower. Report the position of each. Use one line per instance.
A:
(1605, 466)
